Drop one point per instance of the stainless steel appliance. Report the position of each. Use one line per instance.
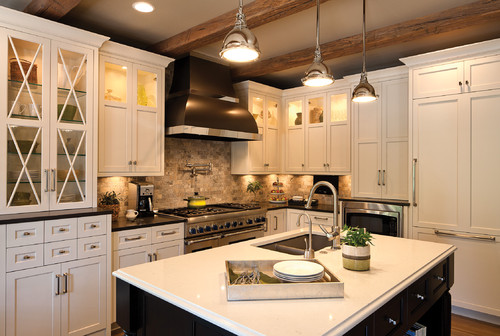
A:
(219, 224)
(140, 197)
(379, 218)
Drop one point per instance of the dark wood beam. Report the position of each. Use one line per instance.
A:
(257, 13)
(51, 9)
(479, 12)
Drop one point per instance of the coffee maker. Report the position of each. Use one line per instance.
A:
(140, 198)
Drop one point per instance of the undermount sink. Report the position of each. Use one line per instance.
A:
(297, 245)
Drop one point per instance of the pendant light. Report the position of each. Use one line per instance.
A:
(364, 92)
(318, 73)
(240, 44)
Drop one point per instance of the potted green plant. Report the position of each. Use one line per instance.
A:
(253, 187)
(356, 249)
(110, 200)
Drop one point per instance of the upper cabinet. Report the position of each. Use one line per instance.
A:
(259, 157)
(380, 138)
(318, 130)
(131, 111)
(47, 118)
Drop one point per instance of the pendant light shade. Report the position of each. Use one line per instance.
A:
(364, 92)
(318, 73)
(240, 44)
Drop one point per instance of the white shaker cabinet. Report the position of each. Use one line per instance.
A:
(275, 222)
(380, 139)
(47, 132)
(259, 157)
(131, 111)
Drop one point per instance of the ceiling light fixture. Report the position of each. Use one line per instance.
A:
(240, 44)
(318, 73)
(143, 7)
(364, 92)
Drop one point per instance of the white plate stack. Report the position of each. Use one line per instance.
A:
(298, 271)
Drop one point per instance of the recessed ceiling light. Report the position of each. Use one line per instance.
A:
(143, 7)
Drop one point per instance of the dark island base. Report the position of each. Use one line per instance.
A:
(426, 301)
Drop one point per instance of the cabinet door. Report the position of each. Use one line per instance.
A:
(167, 249)
(338, 132)
(441, 147)
(148, 120)
(276, 222)
(71, 126)
(33, 301)
(439, 80)
(482, 73)
(394, 176)
(473, 262)
(316, 134)
(295, 145)
(272, 146)
(292, 217)
(367, 148)
(256, 148)
(24, 135)
(115, 117)
(83, 305)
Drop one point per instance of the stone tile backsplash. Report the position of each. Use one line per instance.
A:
(219, 185)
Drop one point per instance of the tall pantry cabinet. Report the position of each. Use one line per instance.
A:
(47, 115)
(455, 157)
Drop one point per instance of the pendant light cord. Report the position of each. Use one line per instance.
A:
(240, 17)
(364, 38)
(317, 52)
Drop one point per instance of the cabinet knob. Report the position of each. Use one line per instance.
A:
(130, 163)
(93, 226)
(63, 251)
(420, 297)
(62, 229)
(460, 83)
(93, 247)
(440, 278)
(467, 82)
(135, 163)
(27, 234)
(303, 165)
(27, 257)
(391, 321)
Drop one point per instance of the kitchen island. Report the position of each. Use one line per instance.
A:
(408, 281)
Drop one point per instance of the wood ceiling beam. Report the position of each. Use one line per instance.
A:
(479, 12)
(51, 9)
(257, 13)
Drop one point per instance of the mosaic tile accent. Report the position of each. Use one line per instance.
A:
(219, 185)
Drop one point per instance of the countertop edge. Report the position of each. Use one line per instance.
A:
(51, 215)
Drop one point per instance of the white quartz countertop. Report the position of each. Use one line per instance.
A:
(196, 283)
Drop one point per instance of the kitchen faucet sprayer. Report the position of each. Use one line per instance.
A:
(335, 234)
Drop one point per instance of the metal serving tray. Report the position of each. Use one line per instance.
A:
(270, 287)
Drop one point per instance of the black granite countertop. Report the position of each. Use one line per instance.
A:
(124, 224)
(376, 200)
(50, 215)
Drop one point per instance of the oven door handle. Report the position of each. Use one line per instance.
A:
(372, 212)
(194, 241)
(242, 232)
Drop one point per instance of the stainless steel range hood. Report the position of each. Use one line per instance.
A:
(202, 104)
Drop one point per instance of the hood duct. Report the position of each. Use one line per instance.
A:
(202, 104)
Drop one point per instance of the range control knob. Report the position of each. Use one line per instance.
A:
(192, 231)
(235, 223)
(215, 227)
(257, 219)
(263, 219)
(227, 225)
(200, 230)
(208, 228)
(249, 221)
(240, 223)
(221, 226)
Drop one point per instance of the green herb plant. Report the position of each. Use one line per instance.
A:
(253, 187)
(357, 237)
(109, 198)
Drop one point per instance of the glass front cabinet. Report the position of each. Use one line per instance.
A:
(47, 126)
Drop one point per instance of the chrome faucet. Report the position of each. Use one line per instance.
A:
(335, 234)
(309, 252)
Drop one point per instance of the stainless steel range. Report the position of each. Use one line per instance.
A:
(219, 224)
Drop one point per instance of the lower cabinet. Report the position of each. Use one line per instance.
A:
(275, 222)
(139, 246)
(317, 217)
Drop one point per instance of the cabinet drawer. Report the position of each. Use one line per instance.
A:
(23, 257)
(418, 295)
(167, 232)
(91, 226)
(323, 218)
(438, 278)
(62, 251)
(91, 246)
(24, 234)
(61, 229)
(131, 238)
(389, 318)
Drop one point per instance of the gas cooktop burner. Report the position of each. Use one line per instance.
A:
(190, 212)
(245, 206)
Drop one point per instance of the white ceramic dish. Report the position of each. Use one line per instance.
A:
(298, 268)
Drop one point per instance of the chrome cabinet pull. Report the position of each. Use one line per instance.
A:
(189, 242)
(265, 227)
(46, 172)
(391, 321)
(241, 232)
(413, 183)
(58, 279)
(440, 278)
(150, 257)
(133, 238)
(155, 255)
(464, 235)
(321, 218)
(383, 177)
(163, 233)
(420, 297)
(276, 223)
(378, 177)
(65, 290)
(53, 172)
